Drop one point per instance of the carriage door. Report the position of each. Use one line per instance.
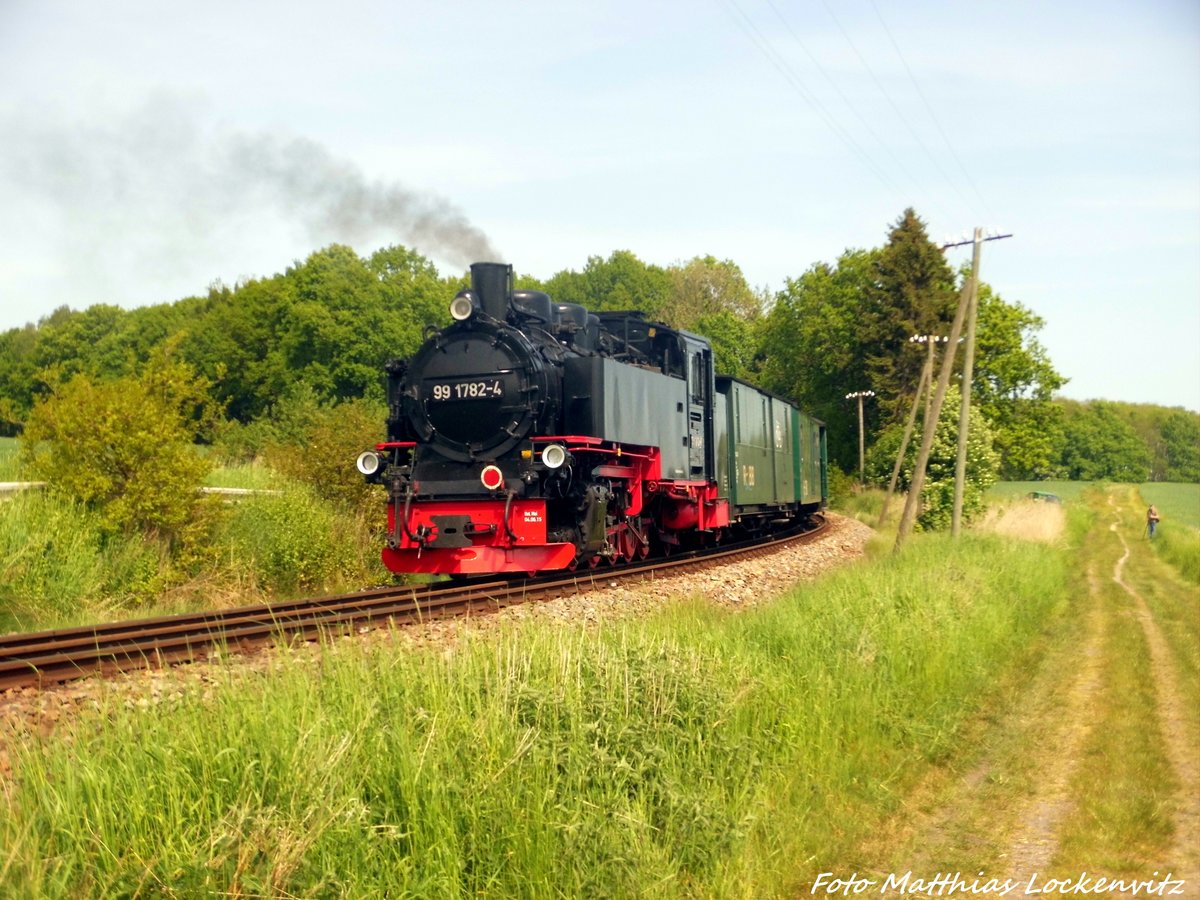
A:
(700, 388)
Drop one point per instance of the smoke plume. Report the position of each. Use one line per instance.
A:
(163, 192)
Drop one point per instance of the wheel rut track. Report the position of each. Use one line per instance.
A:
(46, 658)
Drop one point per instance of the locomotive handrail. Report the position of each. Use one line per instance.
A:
(512, 536)
(404, 522)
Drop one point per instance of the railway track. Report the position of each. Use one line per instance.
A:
(50, 657)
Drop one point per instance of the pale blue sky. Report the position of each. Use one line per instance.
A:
(150, 148)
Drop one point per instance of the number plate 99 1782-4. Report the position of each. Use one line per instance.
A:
(478, 389)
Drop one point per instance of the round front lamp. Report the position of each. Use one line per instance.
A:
(461, 308)
(554, 456)
(369, 462)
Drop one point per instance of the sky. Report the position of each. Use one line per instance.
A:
(150, 149)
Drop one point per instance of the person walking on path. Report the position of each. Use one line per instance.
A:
(1151, 520)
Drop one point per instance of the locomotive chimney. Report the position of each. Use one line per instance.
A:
(492, 284)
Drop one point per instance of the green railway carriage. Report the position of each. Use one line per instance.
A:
(773, 455)
(811, 458)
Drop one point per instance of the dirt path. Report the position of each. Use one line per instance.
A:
(1180, 746)
(1006, 814)
(1034, 838)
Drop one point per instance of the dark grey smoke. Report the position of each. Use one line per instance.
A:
(161, 186)
(330, 195)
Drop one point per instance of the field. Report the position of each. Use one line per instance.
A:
(1176, 502)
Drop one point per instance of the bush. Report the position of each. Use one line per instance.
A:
(322, 455)
(123, 448)
(293, 542)
(937, 496)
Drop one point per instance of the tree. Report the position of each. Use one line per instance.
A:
(233, 342)
(937, 494)
(705, 286)
(812, 350)
(618, 283)
(1181, 440)
(124, 447)
(712, 298)
(1100, 446)
(1013, 385)
(912, 291)
(330, 322)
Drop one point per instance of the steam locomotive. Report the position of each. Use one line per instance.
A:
(531, 436)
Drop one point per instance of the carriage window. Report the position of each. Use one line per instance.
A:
(697, 379)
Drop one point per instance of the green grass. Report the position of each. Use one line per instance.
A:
(699, 753)
(1123, 788)
(1177, 539)
(9, 448)
(254, 476)
(59, 566)
(1176, 502)
(865, 505)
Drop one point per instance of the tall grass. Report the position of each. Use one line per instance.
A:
(866, 504)
(9, 451)
(251, 475)
(700, 753)
(294, 543)
(59, 566)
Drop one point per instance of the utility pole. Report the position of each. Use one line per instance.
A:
(922, 390)
(860, 395)
(913, 500)
(960, 467)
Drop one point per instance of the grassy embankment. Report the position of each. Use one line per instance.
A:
(59, 567)
(696, 753)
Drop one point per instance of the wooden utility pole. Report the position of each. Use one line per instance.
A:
(960, 467)
(964, 415)
(861, 395)
(922, 390)
(913, 500)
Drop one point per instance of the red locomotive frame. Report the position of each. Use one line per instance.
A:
(504, 533)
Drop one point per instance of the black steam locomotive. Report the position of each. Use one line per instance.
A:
(530, 436)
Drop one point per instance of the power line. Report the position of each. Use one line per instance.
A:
(932, 115)
(849, 104)
(763, 45)
(892, 103)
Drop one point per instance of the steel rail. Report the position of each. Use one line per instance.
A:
(49, 657)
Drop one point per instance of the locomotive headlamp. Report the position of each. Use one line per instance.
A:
(554, 456)
(461, 308)
(492, 478)
(369, 462)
